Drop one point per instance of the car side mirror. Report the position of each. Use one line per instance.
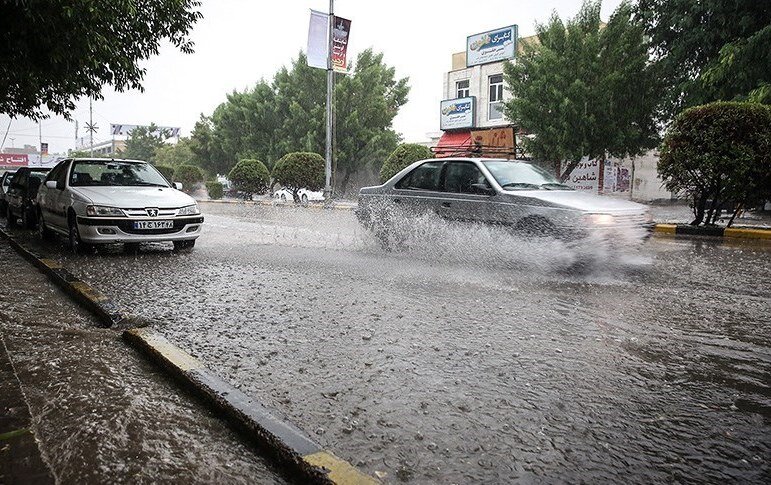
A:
(51, 184)
(482, 189)
(178, 185)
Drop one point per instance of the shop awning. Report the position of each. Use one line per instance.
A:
(453, 143)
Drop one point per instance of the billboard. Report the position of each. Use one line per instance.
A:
(14, 160)
(493, 46)
(456, 114)
(127, 129)
(496, 142)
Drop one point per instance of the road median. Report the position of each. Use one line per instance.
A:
(754, 233)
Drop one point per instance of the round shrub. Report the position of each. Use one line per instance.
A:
(189, 176)
(167, 171)
(719, 154)
(214, 189)
(401, 157)
(300, 170)
(250, 176)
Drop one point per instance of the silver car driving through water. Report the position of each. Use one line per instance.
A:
(513, 194)
(101, 201)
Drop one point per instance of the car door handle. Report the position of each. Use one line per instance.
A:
(445, 204)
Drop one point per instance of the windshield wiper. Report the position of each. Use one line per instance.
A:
(555, 185)
(521, 185)
(149, 184)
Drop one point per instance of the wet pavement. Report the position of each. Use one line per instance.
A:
(100, 412)
(473, 359)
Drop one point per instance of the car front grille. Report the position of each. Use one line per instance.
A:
(127, 225)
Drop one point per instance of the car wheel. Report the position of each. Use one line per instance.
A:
(76, 244)
(304, 199)
(28, 219)
(9, 217)
(184, 245)
(42, 229)
(283, 197)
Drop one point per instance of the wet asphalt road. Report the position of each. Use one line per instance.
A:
(472, 356)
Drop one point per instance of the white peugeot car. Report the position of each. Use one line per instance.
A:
(102, 201)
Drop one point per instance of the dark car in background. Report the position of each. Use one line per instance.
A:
(20, 198)
(5, 182)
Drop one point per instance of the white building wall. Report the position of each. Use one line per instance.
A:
(479, 87)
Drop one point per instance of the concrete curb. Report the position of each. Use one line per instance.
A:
(269, 203)
(94, 301)
(283, 441)
(688, 230)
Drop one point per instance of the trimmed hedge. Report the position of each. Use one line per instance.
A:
(250, 176)
(189, 176)
(719, 154)
(167, 171)
(300, 170)
(401, 157)
(215, 190)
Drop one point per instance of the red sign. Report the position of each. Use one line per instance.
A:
(340, 31)
(14, 159)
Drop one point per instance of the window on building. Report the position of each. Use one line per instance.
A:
(462, 88)
(495, 101)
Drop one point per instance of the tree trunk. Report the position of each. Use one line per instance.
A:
(736, 212)
(569, 169)
(296, 195)
(344, 182)
(699, 204)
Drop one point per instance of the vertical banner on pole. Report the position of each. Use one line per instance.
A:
(317, 40)
(340, 34)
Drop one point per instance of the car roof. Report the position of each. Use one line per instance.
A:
(107, 160)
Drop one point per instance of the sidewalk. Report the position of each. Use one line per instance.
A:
(682, 214)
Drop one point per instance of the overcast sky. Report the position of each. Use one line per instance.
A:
(238, 42)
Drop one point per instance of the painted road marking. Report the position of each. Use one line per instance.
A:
(340, 471)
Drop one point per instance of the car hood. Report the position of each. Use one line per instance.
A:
(574, 199)
(135, 197)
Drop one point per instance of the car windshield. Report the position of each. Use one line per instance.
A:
(522, 176)
(108, 173)
(7, 180)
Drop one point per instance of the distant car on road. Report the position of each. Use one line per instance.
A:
(20, 198)
(102, 201)
(509, 193)
(283, 195)
(5, 182)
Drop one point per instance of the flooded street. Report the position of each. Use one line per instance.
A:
(459, 359)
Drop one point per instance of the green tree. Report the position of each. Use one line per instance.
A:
(401, 157)
(167, 171)
(709, 50)
(189, 176)
(584, 89)
(367, 102)
(719, 153)
(289, 115)
(175, 154)
(53, 52)
(300, 170)
(143, 142)
(250, 177)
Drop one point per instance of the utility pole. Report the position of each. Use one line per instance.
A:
(330, 91)
(90, 126)
(40, 142)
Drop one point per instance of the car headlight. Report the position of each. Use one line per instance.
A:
(189, 210)
(600, 219)
(103, 211)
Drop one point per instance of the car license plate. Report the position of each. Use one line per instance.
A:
(153, 224)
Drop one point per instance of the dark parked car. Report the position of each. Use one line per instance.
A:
(512, 194)
(5, 182)
(20, 198)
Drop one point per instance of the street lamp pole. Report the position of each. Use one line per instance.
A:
(330, 91)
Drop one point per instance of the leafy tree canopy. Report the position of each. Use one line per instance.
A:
(175, 154)
(144, 142)
(584, 88)
(167, 171)
(250, 176)
(53, 52)
(709, 50)
(215, 190)
(718, 153)
(288, 115)
(401, 157)
(300, 170)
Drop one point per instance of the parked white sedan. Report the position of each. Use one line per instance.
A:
(102, 201)
(283, 195)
